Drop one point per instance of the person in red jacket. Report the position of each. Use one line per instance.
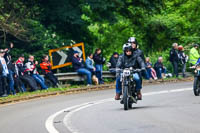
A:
(46, 70)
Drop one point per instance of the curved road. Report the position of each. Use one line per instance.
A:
(166, 108)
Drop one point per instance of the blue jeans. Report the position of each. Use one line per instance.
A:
(11, 82)
(160, 71)
(149, 72)
(99, 69)
(137, 80)
(86, 72)
(40, 80)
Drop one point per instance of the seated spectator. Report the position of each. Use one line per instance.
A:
(90, 66)
(3, 77)
(113, 62)
(160, 69)
(150, 71)
(32, 71)
(23, 75)
(79, 67)
(46, 70)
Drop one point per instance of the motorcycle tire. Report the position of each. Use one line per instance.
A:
(125, 98)
(196, 86)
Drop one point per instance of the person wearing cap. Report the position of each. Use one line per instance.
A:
(182, 59)
(127, 60)
(194, 55)
(3, 77)
(173, 58)
(78, 66)
(46, 70)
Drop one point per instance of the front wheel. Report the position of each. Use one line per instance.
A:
(196, 86)
(125, 98)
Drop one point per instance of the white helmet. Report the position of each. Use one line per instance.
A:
(127, 46)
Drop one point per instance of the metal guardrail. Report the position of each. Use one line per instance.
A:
(74, 76)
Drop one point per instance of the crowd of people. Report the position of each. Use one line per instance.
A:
(17, 76)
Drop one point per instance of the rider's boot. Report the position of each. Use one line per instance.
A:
(139, 95)
(117, 96)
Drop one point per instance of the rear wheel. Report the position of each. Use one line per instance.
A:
(196, 86)
(125, 98)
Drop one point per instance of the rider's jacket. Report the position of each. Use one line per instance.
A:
(139, 53)
(134, 61)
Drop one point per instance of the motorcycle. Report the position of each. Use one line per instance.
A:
(128, 87)
(196, 84)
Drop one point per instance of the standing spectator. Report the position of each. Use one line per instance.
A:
(23, 75)
(151, 72)
(99, 61)
(46, 70)
(194, 55)
(79, 67)
(10, 65)
(113, 62)
(4, 74)
(182, 59)
(32, 71)
(173, 57)
(90, 66)
(160, 69)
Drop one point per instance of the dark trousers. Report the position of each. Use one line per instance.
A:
(29, 81)
(52, 78)
(19, 84)
(175, 68)
(3, 85)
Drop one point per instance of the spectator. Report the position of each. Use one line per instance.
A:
(79, 67)
(182, 59)
(194, 55)
(99, 61)
(4, 74)
(46, 70)
(90, 66)
(18, 82)
(160, 69)
(150, 71)
(174, 58)
(10, 65)
(113, 62)
(23, 75)
(32, 71)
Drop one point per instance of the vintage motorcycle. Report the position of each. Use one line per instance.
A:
(196, 84)
(128, 87)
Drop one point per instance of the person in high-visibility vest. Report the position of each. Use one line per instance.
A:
(194, 54)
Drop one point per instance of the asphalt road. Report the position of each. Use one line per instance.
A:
(166, 108)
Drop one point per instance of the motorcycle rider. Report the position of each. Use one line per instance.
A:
(135, 48)
(126, 60)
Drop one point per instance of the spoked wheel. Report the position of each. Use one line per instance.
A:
(196, 86)
(125, 98)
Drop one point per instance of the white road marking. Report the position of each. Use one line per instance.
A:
(49, 122)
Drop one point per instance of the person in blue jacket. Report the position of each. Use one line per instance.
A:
(79, 67)
(90, 63)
